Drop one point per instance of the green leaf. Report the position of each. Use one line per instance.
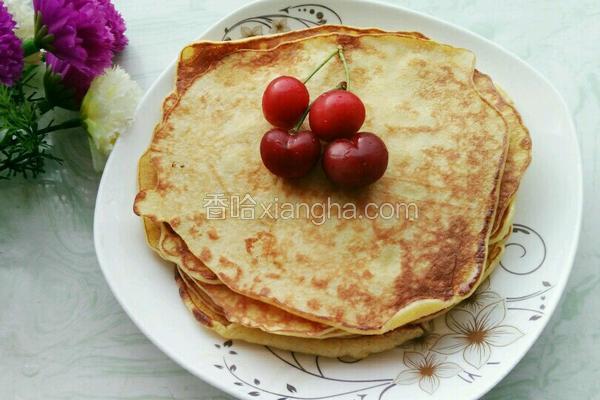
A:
(24, 150)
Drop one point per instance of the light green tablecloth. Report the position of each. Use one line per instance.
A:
(63, 335)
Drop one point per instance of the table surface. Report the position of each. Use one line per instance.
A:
(62, 333)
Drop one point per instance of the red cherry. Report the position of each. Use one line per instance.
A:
(354, 162)
(284, 101)
(336, 114)
(289, 155)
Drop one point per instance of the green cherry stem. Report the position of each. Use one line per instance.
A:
(329, 57)
(346, 69)
(302, 118)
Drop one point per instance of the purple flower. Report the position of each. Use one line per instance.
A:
(11, 50)
(115, 22)
(75, 31)
(71, 77)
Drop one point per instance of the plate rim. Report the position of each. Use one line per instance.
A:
(571, 251)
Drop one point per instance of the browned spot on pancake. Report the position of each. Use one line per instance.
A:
(367, 274)
(161, 131)
(383, 234)
(194, 264)
(199, 219)
(193, 231)
(206, 254)
(250, 244)
(202, 318)
(162, 186)
(301, 258)
(418, 63)
(353, 294)
(268, 245)
(226, 279)
(319, 283)
(212, 234)
(313, 304)
(338, 314)
(264, 291)
(272, 275)
(440, 153)
(363, 320)
(447, 76)
(359, 73)
(448, 260)
(349, 42)
(138, 198)
(266, 58)
(223, 277)
(175, 222)
(224, 261)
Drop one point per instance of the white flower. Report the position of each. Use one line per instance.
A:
(427, 370)
(22, 13)
(107, 109)
(475, 335)
(251, 32)
(279, 25)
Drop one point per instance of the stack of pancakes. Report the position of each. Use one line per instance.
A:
(347, 287)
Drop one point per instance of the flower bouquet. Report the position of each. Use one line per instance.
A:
(57, 55)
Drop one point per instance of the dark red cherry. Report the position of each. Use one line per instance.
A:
(355, 162)
(336, 114)
(289, 155)
(284, 101)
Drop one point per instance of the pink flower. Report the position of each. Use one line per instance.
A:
(115, 22)
(75, 31)
(11, 51)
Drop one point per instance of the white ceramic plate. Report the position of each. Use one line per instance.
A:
(510, 310)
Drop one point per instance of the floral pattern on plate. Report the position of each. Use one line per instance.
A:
(284, 20)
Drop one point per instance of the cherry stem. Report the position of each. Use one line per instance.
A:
(329, 57)
(346, 69)
(302, 118)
